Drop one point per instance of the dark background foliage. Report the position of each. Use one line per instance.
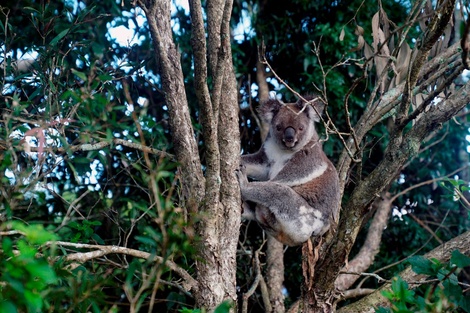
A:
(85, 87)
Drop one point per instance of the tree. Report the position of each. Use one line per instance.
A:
(131, 165)
(212, 194)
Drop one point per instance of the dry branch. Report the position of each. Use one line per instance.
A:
(189, 283)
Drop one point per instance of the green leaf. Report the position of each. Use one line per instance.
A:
(421, 265)
(465, 303)
(31, 9)
(80, 75)
(35, 234)
(44, 272)
(8, 307)
(186, 310)
(105, 77)
(59, 37)
(401, 291)
(7, 246)
(459, 259)
(27, 252)
(224, 307)
(388, 294)
(146, 240)
(97, 238)
(34, 301)
(173, 299)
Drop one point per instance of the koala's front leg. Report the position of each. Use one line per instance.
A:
(256, 165)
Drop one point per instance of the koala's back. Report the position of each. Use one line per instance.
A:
(322, 194)
(314, 178)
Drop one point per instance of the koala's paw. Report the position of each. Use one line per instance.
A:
(241, 175)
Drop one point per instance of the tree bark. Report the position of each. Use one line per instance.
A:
(275, 274)
(214, 196)
(370, 248)
(230, 213)
(219, 227)
(158, 16)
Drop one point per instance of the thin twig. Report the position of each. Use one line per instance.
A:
(189, 282)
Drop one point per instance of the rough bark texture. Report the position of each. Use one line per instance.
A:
(229, 215)
(216, 195)
(441, 253)
(222, 204)
(275, 274)
(370, 248)
(158, 16)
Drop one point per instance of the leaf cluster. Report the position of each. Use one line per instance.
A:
(85, 152)
(441, 292)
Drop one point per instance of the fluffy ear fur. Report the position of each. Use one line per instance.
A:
(313, 101)
(269, 108)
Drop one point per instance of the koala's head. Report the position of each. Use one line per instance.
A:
(292, 124)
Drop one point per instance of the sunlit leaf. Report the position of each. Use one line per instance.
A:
(57, 38)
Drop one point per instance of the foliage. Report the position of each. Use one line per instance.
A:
(442, 292)
(70, 125)
(26, 278)
(80, 112)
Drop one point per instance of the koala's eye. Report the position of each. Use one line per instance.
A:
(278, 127)
(301, 128)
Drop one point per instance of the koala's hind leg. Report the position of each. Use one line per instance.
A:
(293, 217)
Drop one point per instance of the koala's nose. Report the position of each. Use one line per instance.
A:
(289, 134)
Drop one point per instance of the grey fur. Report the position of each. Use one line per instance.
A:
(295, 194)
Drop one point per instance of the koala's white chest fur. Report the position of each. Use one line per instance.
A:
(277, 158)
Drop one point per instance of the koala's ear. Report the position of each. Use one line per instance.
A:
(312, 101)
(269, 108)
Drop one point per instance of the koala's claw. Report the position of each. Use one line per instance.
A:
(241, 175)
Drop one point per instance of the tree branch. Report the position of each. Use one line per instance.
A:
(368, 190)
(441, 253)
(103, 144)
(189, 284)
(158, 15)
(370, 248)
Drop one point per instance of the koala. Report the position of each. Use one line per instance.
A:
(295, 192)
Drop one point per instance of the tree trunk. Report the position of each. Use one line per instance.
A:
(275, 274)
(215, 197)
